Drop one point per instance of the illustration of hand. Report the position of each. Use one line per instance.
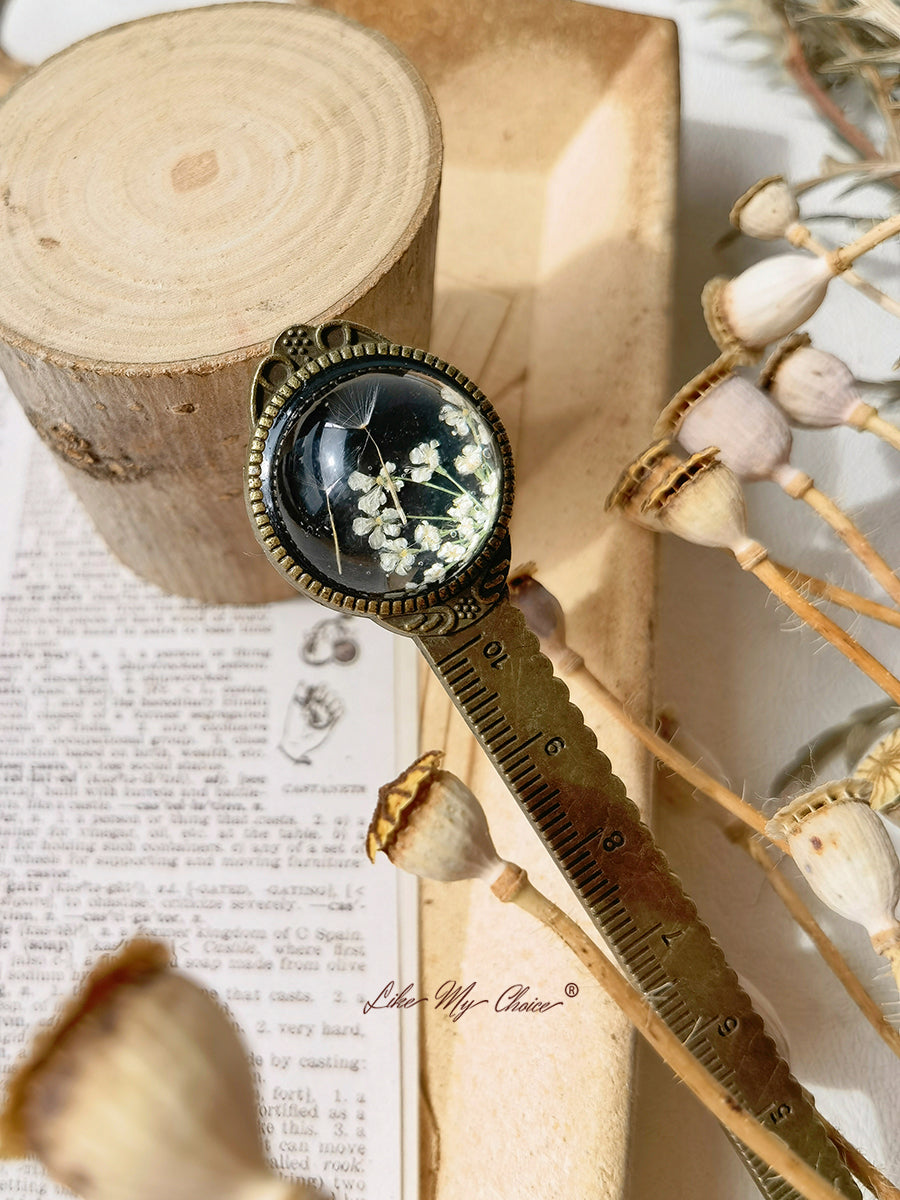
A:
(313, 712)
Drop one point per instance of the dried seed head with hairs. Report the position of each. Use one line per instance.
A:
(640, 478)
(142, 1090)
(767, 211)
(765, 302)
(429, 823)
(701, 500)
(880, 767)
(817, 390)
(719, 408)
(846, 857)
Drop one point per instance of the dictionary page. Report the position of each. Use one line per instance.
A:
(205, 775)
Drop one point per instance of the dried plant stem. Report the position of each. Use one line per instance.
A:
(844, 256)
(770, 575)
(514, 886)
(892, 954)
(800, 236)
(881, 428)
(795, 62)
(867, 1174)
(570, 666)
(878, 87)
(752, 821)
(854, 540)
(840, 596)
(833, 958)
(662, 749)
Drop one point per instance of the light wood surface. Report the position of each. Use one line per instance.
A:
(167, 212)
(560, 128)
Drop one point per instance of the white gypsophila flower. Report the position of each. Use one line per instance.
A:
(428, 536)
(435, 573)
(452, 552)
(490, 486)
(469, 461)
(461, 507)
(454, 416)
(467, 529)
(375, 488)
(398, 557)
(372, 501)
(426, 460)
(360, 482)
(379, 528)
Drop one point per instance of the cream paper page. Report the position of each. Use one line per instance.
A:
(205, 775)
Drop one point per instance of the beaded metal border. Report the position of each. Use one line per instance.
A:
(295, 572)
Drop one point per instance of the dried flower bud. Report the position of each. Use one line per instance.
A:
(701, 501)
(719, 408)
(640, 478)
(812, 387)
(543, 615)
(429, 823)
(142, 1090)
(767, 210)
(765, 302)
(845, 854)
(880, 766)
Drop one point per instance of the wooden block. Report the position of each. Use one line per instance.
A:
(560, 126)
(167, 213)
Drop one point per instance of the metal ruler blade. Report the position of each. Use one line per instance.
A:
(538, 741)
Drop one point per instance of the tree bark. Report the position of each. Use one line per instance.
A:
(176, 191)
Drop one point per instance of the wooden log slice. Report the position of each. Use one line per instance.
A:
(175, 192)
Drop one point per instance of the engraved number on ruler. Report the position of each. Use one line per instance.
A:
(642, 950)
(578, 856)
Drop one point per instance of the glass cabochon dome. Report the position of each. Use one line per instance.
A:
(385, 478)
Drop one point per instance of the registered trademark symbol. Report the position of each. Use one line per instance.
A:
(571, 990)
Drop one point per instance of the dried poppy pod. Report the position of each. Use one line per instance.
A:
(719, 408)
(769, 211)
(766, 211)
(701, 500)
(774, 297)
(880, 767)
(429, 823)
(545, 618)
(142, 1090)
(844, 852)
(816, 389)
(641, 477)
(410, 827)
(765, 302)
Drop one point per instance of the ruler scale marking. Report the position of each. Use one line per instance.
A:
(597, 840)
